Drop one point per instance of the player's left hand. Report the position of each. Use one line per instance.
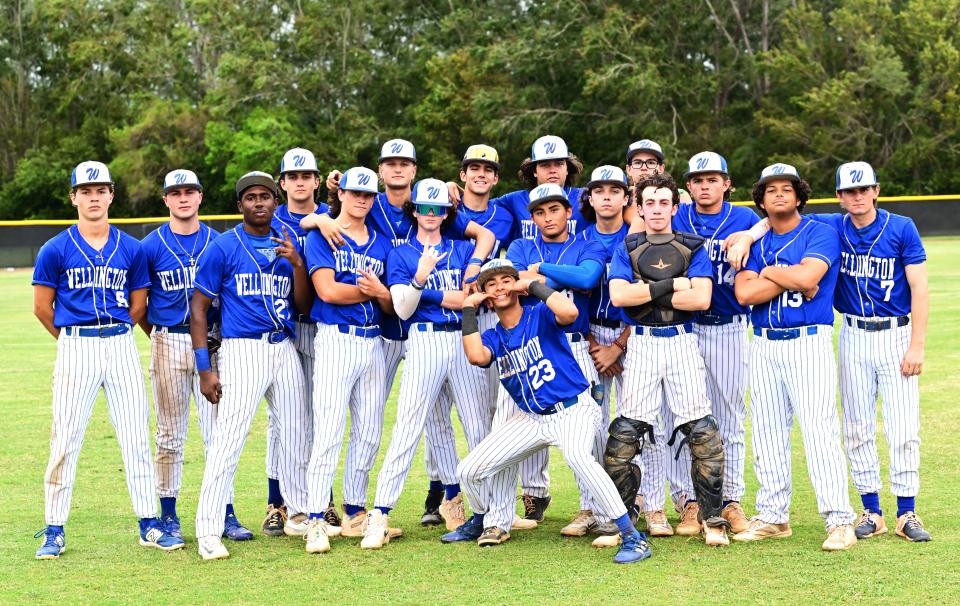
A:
(613, 371)
(737, 245)
(521, 286)
(476, 299)
(604, 357)
(469, 279)
(287, 250)
(912, 364)
(371, 285)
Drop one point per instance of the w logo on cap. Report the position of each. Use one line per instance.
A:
(92, 173)
(396, 148)
(856, 176)
(540, 192)
(299, 160)
(363, 179)
(180, 178)
(549, 147)
(606, 174)
(432, 193)
(778, 169)
(702, 162)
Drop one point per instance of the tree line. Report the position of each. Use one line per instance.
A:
(224, 87)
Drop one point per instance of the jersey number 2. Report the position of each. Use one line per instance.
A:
(540, 373)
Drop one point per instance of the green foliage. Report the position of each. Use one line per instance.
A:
(223, 87)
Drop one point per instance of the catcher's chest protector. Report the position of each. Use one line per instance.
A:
(658, 257)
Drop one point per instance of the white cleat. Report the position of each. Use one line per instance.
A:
(317, 539)
(296, 525)
(211, 548)
(376, 534)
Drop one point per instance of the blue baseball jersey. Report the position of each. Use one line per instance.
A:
(347, 262)
(447, 275)
(716, 228)
(810, 239)
(171, 260)
(536, 365)
(495, 218)
(256, 295)
(282, 217)
(93, 286)
(600, 306)
(622, 269)
(873, 260)
(516, 202)
(525, 252)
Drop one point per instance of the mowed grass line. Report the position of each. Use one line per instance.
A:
(104, 564)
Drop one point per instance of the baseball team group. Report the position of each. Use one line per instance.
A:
(531, 313)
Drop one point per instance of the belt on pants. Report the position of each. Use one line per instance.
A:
(665, 331)
(271, 336)
(110, 330)
(359, 331)
(711, 320)
(576, 337)
(179, 329)
(606, 323)
(432, 327)
(555, 408)
(877, 325)
(784, 334)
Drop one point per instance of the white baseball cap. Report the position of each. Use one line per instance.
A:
(398, 148)
(607, 174)
(90, 172)
(549, 147)
(706, 162)
(779, 171)
(496, 266)
(431, 191)
(855, 174)
(298, 159)
(546, 193)
(645, 145)
(359, 178)
(181, 178)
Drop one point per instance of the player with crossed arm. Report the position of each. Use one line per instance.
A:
(789, 280)
(259, 276)
(89, 288)
(541, 374)
(300, 182)
(351, 299)
(172, 251)
(426, 282)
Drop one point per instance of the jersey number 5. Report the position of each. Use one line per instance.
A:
(540, 373)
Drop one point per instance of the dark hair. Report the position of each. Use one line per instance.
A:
(658, 181)
(589, 213)
(527, 172)
(464, 165)
(801, 187)
(333, 201)
(726, 192)
(409, 207)
(282, 193)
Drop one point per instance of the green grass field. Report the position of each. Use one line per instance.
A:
(104, 563)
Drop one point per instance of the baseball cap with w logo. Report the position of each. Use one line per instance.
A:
(359, 178)
(90, 172)
(398, 148)
(298, 159)
(706, 162)
(430, 192)
(607, 174)
(549, 147)
(181, 178)
(779, 171)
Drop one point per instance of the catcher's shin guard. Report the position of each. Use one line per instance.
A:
(625, 441)
(706, 451)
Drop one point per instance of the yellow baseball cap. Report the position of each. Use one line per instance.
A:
(482, 153)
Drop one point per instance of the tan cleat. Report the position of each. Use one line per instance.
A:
(580, 525)
(609, 540)
(375, 533)
(657, 524)
(493, 536)
(757, 530)
(523, 523)
(715, 536)
(733, 513)
(296, 525)
(394, 533)
(869, 525)
(453, 513)
(840, 537)
(352, 526)
(689, 525)
(910, 527)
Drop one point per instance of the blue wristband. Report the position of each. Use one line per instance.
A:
(471, 279)
(202, 356)
(475, 261)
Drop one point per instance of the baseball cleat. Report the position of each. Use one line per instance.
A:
(352, 526)
(172, 524)
(453, 513)
(523, 523)
(607, 540)
(605, 529)
(715, 536)
(54, 543)
(580, 524)
(869, 525)
(757, 530)
(634, 549)
(375, 533)
(153, 534)
(911, 528)
(840, 537)
(332, 518)
(273, 523)
(689, 525)
(317, 537)
(493, 536)
(211, 548)
(535, 507)
(468, 531)
(234, 530)
(657, 524)
(733, 514)
(296, 525)
(431, 508)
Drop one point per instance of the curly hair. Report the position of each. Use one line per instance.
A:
(801, 187)
(657, 181)
(451, 216)
(527, 172)
(590, 214)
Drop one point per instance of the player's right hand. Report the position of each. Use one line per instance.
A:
(522, 286)
(210, 386)
(681, 283)
(428, 260)
(333, 180)
(476, 299)
(737, 246)
(332, 230)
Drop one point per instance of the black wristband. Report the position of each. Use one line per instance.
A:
(469, 322)
(658, 289)
(540, 290)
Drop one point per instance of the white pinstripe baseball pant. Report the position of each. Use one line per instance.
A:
(306, 331)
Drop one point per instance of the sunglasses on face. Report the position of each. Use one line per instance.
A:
(427, 209)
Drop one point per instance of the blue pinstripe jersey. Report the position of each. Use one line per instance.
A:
(282, 217)
(516, 202)
(810, 239)
(873, 260)
(93, 286)
(600, 306)
(171, 259)
(447, 275)
(497, 219)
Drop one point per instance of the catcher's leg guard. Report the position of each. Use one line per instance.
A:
(625, 441)
(706, 450)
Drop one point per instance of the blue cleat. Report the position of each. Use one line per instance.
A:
(54, 543)
(634, 549)
(154, 534)
(234, 530)
(172, 524)
(468, 531)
